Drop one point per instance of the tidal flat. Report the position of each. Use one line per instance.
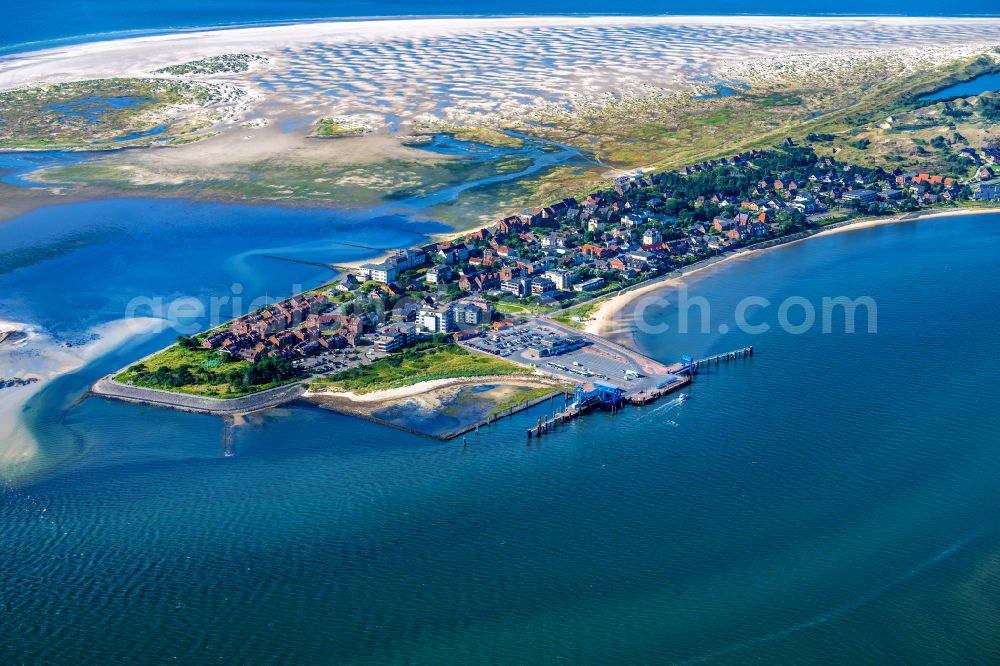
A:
(619, 93)
(448, 409)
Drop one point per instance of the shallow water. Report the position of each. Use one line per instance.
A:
(831, 500)
(67, 268)
(446, 412)
(977, 86)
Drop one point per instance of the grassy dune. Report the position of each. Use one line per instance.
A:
(406, 369)
(521, 397)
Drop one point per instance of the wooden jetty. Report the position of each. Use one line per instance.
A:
(568, 414)
(692, 367)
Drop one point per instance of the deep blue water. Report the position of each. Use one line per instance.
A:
(27, 26)
(832, 500)
(977, 86)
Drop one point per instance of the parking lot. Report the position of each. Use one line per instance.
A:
(335, 361)
(591, 362)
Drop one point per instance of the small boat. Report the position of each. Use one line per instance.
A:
(683, 396)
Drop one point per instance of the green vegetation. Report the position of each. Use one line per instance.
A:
(582, 312)
(989, 108)
(187, 368)
(780, 99)
(106, 113)
(483, 135)
(521, 397)
(512, 308)
(412, 367)
(331, 128)
(716, 117)
(833, 219)
(232, 63)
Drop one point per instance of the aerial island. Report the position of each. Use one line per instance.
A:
(570, 188)
(507, 300)
(361, 341)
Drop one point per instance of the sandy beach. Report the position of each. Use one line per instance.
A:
(402, 392)
(40, 357)
(607, 320)
(383, 73)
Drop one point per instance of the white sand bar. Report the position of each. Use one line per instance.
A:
(387, 71)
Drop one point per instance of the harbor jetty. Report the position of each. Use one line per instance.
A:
(692, 366)
(612, 397)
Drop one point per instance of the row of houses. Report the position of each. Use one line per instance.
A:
(625, 232)
(295, 327)
(983, 156)
(389, 270)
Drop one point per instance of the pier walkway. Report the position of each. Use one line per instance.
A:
(109, 388)
(691, 366)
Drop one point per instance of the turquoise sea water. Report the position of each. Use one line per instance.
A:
(69, 268)
(832, 500)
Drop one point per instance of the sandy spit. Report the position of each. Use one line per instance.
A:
(423, 387)
(40, 357)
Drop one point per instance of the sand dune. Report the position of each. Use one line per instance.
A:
(386, 72)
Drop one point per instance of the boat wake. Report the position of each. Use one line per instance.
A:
(668, 406)
(837, 612)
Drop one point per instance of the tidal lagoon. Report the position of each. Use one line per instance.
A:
(830, 500)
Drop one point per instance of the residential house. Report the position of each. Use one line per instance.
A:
(562, 279)
(440, 274)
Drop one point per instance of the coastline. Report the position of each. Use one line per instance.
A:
(422, 387)
(107, 387)
(139, 55)
(433, 395)
(39, 356)
(178, 46)
(607, 322)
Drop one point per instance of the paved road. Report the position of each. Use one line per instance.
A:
(109, 388)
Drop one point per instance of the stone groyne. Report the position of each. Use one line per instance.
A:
(109, 388)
